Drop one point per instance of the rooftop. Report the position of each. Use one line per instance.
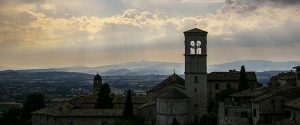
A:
(172, 94)
(66, 109)
(251, 92)
(288, 93)
(230, 76)
(285, 75)
(173, 79)
(195, 30)
(295, 104)
(297, 67)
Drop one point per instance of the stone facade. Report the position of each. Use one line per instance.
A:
(219, 81)
(259, 106)
(284, 80)
(298, 75)
(238, 109)
(196, 73)
(293, 107)
(171, 105)
(81, 111)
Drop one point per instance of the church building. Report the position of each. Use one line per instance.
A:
(183, 100)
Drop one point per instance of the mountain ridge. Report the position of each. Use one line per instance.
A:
(166, 68)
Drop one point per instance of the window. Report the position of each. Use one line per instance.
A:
(254, 112)
(71, 123)
(226, 112)
(228, 86)
(195, 79)
(273, 104)
(217, 86)
(192, 47)
(195, 90)
(244, 114)
(199, 51)
(104, 123)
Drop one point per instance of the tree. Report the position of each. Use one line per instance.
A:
(128, 110)
(11, 117)
(243, 82)
(104, 99)
(22, 116)
(33, 102)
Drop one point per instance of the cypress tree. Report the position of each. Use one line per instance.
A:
(243, 82)
(104, 99)
(128, 110)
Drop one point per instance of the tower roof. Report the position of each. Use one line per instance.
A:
(297, 67)
(195, 30)
(172, 94)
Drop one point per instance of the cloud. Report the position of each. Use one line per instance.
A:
(42, 31)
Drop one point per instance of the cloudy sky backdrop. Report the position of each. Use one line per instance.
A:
(52, 33)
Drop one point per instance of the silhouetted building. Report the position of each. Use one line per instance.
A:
(97, 84)
(298, 75)
(263, 105)
(284, 80)
(219, 81)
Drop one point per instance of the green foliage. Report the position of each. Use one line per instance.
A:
(243, 82)
(104, 99)
(128, 110)
(11, 117)
(225, 93)
(22, 116)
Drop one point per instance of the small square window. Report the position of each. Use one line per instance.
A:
(244, 114)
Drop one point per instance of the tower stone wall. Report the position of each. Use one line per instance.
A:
(196, 73)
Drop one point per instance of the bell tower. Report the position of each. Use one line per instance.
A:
(196, 73)
(97, 84)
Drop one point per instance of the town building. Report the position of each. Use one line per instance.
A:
(293, 107)
(262, 105)
(219, 81)
(284, 80)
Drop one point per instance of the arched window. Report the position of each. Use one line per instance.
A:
(195, 79)
(199, 50)
(193, 48)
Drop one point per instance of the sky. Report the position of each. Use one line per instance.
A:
(60, 33)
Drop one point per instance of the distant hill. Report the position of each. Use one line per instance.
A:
(166, 68)
(256, 65)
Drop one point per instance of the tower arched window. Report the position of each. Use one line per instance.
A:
(193, 47)
(195, 79)
(198, 45)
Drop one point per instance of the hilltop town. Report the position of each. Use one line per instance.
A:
(232, 98)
